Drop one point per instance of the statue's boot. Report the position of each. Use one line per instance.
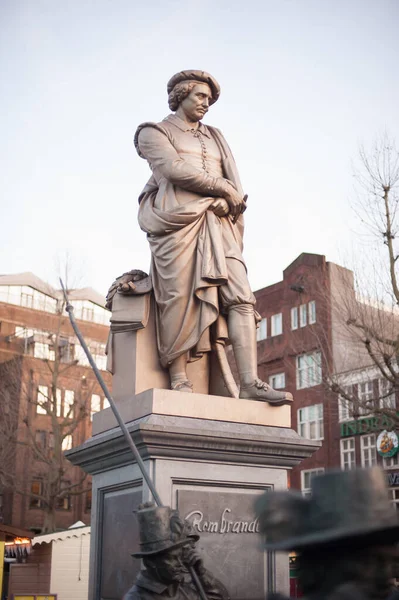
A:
(242, 333)
(178, 375)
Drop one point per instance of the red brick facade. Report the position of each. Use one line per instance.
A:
(21, 372)
(310, 285)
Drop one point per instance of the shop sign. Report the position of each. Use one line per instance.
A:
(387, 443)
(393, 479)
(367, 425)
(34, 597)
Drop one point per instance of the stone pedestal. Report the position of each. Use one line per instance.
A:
(210, 457)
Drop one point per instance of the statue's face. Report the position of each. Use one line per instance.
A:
(167, 566)
(196, 104)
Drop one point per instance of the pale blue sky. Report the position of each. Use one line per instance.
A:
(303, 83)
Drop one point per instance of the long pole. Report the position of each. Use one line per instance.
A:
(130, 443)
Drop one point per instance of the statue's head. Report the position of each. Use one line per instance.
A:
(194, 91)
(164, 536)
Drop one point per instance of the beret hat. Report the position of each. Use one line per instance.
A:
(193, 75)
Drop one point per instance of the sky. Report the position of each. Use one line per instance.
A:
(304, 83)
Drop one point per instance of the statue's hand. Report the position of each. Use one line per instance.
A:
(220, 207)
(235, 201)
(124, 284)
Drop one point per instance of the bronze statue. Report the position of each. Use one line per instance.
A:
(167, 549)
(192, 211)
(345, 535)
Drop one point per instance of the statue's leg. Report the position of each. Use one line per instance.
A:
(178, 375)
(242, 333)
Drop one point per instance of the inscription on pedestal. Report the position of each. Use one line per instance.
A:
(230, 544)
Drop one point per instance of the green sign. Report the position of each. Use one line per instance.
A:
(367, 425)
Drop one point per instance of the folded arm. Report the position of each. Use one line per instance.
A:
(163, 157)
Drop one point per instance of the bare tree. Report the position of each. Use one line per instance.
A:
(23, 403)
(365, 308)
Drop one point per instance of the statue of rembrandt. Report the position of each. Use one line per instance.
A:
(192, 211)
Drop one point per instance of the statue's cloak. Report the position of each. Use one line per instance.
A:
(193, 250)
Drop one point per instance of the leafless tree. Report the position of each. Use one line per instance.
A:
(365, 310)
(22, 403)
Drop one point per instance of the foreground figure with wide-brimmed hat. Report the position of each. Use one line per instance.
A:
(167, 549)
(345, 535)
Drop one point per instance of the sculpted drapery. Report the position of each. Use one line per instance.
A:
(197, 264)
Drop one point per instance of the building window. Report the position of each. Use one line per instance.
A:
(306, 478)
(294, 317)
(88, 501)
(42, 400)
(368, 450)
(312, 312)
(392, 461)
(365, 393)
(277, 324)
(64, 502)
(69, 399)
(308, 370)
(277, 381)
(27, 296)
(106, 404)
(345, 406)
(43, 351)
(58, 403)
(303, 313)
(27, 299)
(310, 422)
(387, 394)
(95, 405)
(394, 496)
(261, 332)
(36, 489)
(40, 439)
(89, 311)
(98, 353)
(348, 454)
(66, 443)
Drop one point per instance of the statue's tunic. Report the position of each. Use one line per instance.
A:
(197, 266)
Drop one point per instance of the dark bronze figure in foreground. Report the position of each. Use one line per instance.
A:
(345, 535)
(167, 548)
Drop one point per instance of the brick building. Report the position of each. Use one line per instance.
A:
(303, 345)
(34, 339)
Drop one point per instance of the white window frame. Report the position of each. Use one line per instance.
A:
(58, 402)
(303, 315)
(394, 496)
(392, 462)
(95, 405)
(347, 449)
(311, 422)
(277, 381)
(308, 370)
(368, 450)
(42, 396)
(67, 443)
(312, 312)
(306, 489)
(294, 317)
(276, 324)
(365, 392)
(386, 401)
(69, 401)
(261, 332)
(345, 407)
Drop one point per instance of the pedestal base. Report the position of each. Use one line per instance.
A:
(208, 459)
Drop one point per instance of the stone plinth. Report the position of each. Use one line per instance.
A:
(195, 406)
(210, 458)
